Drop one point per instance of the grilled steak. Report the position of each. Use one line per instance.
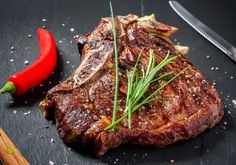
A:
(82, 105)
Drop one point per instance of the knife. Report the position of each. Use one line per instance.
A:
(205, 31)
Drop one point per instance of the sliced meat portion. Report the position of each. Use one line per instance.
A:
(82, 105)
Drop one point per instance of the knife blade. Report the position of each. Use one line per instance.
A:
(204, 30)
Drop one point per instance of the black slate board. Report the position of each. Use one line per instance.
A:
(216, 146)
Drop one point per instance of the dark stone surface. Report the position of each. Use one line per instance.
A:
(19, 18)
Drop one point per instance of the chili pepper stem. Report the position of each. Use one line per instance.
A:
(8, 87)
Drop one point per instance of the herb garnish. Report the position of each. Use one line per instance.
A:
(116, 68)
(137, 86)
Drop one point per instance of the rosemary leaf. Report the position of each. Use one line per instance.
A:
(162, 76)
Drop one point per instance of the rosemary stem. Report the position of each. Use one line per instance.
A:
(116, 68)
(129, 116)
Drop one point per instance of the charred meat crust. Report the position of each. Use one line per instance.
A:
(82, 105)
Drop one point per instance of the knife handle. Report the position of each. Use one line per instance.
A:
(9, 154)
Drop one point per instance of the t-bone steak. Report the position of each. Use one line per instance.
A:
(82, 105)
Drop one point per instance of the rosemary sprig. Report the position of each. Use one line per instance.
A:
(145, 101)
(116, 68)
(137, 86)
(137, 89)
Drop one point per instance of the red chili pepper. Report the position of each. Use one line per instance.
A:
(40, 70)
